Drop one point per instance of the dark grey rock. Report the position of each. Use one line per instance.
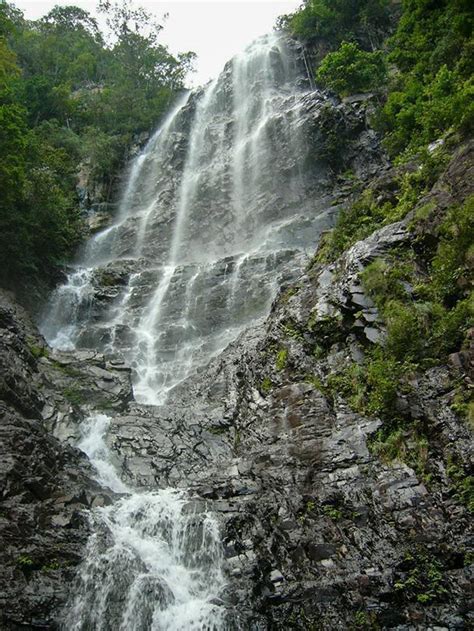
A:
(42, 534)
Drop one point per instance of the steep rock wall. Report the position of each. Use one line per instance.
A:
(318, 531)
(46, 485)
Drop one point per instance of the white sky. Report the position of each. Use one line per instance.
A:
(214, 29)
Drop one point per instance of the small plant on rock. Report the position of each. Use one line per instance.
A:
(420, 578)
(282, 358)
(266, 385)
(25, 561)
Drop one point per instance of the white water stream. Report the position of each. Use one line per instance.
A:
(213, 212)
(214, 215)
(154, 562)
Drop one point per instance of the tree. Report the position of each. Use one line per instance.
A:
(71, 19)
(333, 21)
(350, 69)
(69, 98)
(433, 90)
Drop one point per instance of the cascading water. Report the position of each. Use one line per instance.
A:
(153, 562)
(213, 215)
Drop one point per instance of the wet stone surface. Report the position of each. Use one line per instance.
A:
(317, 531)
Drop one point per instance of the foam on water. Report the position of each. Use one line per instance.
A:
(154, 561)
(196, 225)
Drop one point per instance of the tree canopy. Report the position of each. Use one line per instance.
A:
(69, 96)
(428, 48)
(334, 21)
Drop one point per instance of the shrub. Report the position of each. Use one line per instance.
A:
(403, 444)
(432, 91)
(420, 578)
(406, 331)
(349, 70)
(281, 359)
(452, 263)
(366, 214)
(382, 280)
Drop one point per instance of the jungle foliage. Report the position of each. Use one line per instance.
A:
(428, 50)
(69, 97)
(419, 64)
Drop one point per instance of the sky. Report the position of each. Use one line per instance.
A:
(214, 29)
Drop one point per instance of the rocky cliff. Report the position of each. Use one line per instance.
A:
(322, 527)
(47, 486)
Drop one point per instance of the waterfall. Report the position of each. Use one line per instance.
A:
(153, 562)
(215, 213)
(212, 217)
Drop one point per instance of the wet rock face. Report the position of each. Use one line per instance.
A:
(315, 527)
(318, 531)
(43, 522)
(222, 206)
(45, 485)
(328, 535)
(80, 382)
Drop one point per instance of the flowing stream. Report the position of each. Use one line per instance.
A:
(213, 217)
(153, 562)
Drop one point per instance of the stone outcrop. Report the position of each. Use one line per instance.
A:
(318, 531)
(46, 485)
(309, 140)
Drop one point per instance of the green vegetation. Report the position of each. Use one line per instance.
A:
(407, 445)
(350, 69)
(330, 22)
(38, 351)
(334, 507)
(73, 395)
(429, 89)
(282, 358)
(430, 320)
(316, 382)
(291, 330)
(51, 566)
(424, 297)
(286, 295)
(421, 578)
(425, 300)
(27, 564)
(333, 512)
(70, 100)
(366, 620)
(463, 484)
(463, 404)
(25, 561)
(432, 90)
(375, 208)
(372, 387)
(452, 262)
(426, 317)
(422, 73)
(266, 385)
(104, 406)
(327, 330)
(66, 369)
